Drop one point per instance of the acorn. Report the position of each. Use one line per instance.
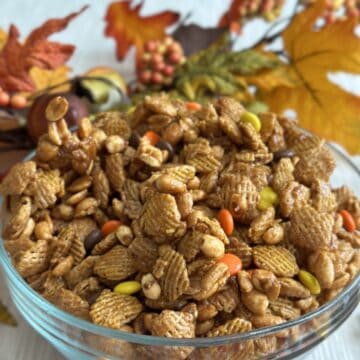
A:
(36, 120)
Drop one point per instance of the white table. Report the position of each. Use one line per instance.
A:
(22, 343)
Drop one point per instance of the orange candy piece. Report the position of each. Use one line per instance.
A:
(226, 221)
(349, 222)
(153, 137)
(110, 226)
(233, 263)
(192, 105)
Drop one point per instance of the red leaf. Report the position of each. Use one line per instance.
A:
(233, 14)
(128, 27)
(16, 59)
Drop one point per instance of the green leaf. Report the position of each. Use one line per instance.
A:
(215, 72)
(249, 62)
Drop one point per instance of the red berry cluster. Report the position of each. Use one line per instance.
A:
(159, 61)
(268, 9)
(351, 9)
(16, 101)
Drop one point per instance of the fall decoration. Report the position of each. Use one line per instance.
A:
(36, 120)
(129, 28)
(159, 61)
(302, 83)
(17, 59)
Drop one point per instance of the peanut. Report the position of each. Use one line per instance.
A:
(184, 203)
(43, 230)
(86, 207)
(244, 282)
(114, 144)
(173, 133)
(167, 184)
(56, 109)
(255, 301)
(85, 128)
(150, 287)
(273, 235)
(76, 198)
(265, 281)
(322, 267)
(206, 312)
(124, 235)
(46, 150)
(212, 247)
(204, 326)
(64, 266)
(63, 212)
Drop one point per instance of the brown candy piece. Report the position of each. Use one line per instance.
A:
(92, 239)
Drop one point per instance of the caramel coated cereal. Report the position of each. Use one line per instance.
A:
(182, 220)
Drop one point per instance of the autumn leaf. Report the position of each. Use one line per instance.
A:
(3, 38)
(128, 27)
(17, 59)
(43, 78)
(321, 106)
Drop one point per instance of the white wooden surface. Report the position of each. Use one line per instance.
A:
(86, 32)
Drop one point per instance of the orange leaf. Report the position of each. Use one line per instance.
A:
(128, 27)
(17, 59)
(3, 38)
(321, 106)
(43, 78)
(233, 14)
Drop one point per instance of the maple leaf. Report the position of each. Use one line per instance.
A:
(17, 59)
(233, 14)
(321, 106)
(43, 78)
(128, 27)
(3, 37)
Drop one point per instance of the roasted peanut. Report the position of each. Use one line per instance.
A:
(85, 128)
(56, 108)
(273, 235)
(124, 235)
(206, 312)
(212, 247)
(150, 287)
(86, 207)
(204, 326)
(184, 203)
(322, 267)
(265, 281)
(244, 281)
(255, 302)
(43, 230)
(168, 184)
(114, 144)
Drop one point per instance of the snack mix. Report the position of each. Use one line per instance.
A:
(181, 221)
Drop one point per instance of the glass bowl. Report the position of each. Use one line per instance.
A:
(78, 339)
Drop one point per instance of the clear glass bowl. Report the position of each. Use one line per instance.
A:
(78, 339)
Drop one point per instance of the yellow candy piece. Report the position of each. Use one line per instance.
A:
(130, 110)
(127, 287)
(268, 198)
(252, 119)
(310, 282)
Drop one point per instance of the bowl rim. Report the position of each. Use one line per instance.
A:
(73, 321)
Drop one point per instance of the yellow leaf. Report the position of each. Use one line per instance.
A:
(43, 78)
(3, 38)
(269, 79)
(321, 106)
